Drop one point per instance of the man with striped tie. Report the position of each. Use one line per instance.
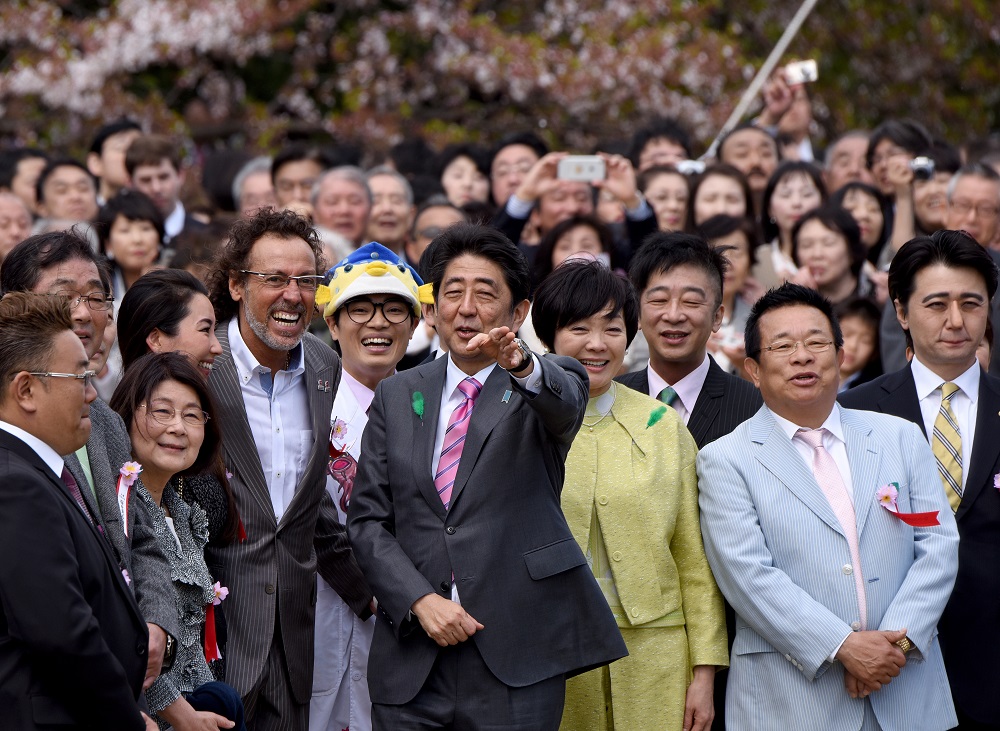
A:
(827, 530)
(486, 602)
(942, 286)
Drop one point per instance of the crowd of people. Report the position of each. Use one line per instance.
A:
(264, 468)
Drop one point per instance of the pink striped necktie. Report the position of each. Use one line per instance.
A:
(74, 491)
(832, 483)
(454, 440)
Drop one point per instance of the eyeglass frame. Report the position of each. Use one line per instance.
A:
(317, 278)
(377, 306)
(985, 211)
(173, 416)
(824, 346)
(106, 299)
(87, 376)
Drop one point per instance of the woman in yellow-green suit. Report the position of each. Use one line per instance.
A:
(631, 500)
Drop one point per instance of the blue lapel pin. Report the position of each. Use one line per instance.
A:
(506, 396)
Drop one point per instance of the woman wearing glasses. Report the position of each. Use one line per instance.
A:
(372, 308)
(168, 410)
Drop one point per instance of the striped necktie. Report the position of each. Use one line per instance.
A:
(74, 491)
(946, 443)
(454, 440)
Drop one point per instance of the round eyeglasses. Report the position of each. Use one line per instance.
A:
(362, 311)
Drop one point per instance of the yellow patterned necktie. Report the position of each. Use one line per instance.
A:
(946, 443)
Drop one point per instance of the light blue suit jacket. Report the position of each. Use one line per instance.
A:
(781, 559)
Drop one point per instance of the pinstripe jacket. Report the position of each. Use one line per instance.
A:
(781, 559)
(274, 569)
(724, 403)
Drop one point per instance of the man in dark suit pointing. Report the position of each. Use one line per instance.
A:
(486, 603)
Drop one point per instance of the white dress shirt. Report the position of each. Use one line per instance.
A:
(46, 453)
(963, 404)
(687, 389)
(174, 223)
(278, 412)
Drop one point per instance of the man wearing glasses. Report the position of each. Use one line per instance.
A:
(63, 265)
(828, 532)
(72, 639)
(275, 385)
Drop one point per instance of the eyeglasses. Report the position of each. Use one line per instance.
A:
(87, 376)
(505, 171)
(306, 282)
(167, 415)
(362, 311)
(431, 232)
(96, 301)
(788, 347)
(983, 210)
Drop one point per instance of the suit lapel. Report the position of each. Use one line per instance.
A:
(430, 386)
(900, 398)
(864, 459)
(709, 402)
(779, 457)
(489, 409)
(986, 447)
(239, 444)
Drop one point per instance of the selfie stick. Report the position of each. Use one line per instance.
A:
(765, 71)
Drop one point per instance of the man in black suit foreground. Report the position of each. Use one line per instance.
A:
(942, 286)
(486, 602)
(73, 644)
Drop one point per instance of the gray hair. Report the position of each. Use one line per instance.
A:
(393, 173)
(853, 134)
(350, 173)
(975, 170)
(260, 164)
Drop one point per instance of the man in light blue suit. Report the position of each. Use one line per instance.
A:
(837, 597)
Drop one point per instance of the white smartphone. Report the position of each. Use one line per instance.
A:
(582, 168)
(801, 72)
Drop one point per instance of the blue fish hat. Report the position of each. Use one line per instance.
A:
(372, 269)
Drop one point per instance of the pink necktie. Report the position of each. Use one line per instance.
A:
(830, 481)
(74, 491)
(454, 440)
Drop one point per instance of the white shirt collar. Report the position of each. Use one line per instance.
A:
(687, 389)
(174, 223)
(456, 375)
(832, 424)
(46, 453)
(927, 381)
(246, 362)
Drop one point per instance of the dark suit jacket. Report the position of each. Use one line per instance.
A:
(970, 625)
(275, 567)
(108, 448)
(724, 403)
(73, 644)
(504, 538)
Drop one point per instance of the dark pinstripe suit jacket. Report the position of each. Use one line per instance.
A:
(275, 567)
(724, 403)
(971, 621)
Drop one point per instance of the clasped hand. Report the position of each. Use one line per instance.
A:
(871, 659)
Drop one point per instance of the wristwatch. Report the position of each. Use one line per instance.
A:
(525, 357)
(905, 645)
(169, 653)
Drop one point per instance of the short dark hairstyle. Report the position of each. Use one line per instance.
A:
(885, 205)
(661, 252)
(152, 150)
(235, 255)
(839, 221)
(158, 300)
(23, 266)
(28, 325)
(10, 159)
(577, 290)
(946, 157)
(788, 295)
(133, 206)
(479, 156)
(721, 225)
(412, 156)
(647, 176)
(664, 128)
(906, 133)
(543, 254)
(482, 241)
(954, 249)
(322, 156)
(739, 128)
(136, 388)
(528, 139)
(54, 164)
(110, 130)
(724, 170)
(785, 170)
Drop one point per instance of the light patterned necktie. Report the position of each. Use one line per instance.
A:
(454, 440)
(946, 443)
(667, 396)
(832, 483)
(74, 491)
